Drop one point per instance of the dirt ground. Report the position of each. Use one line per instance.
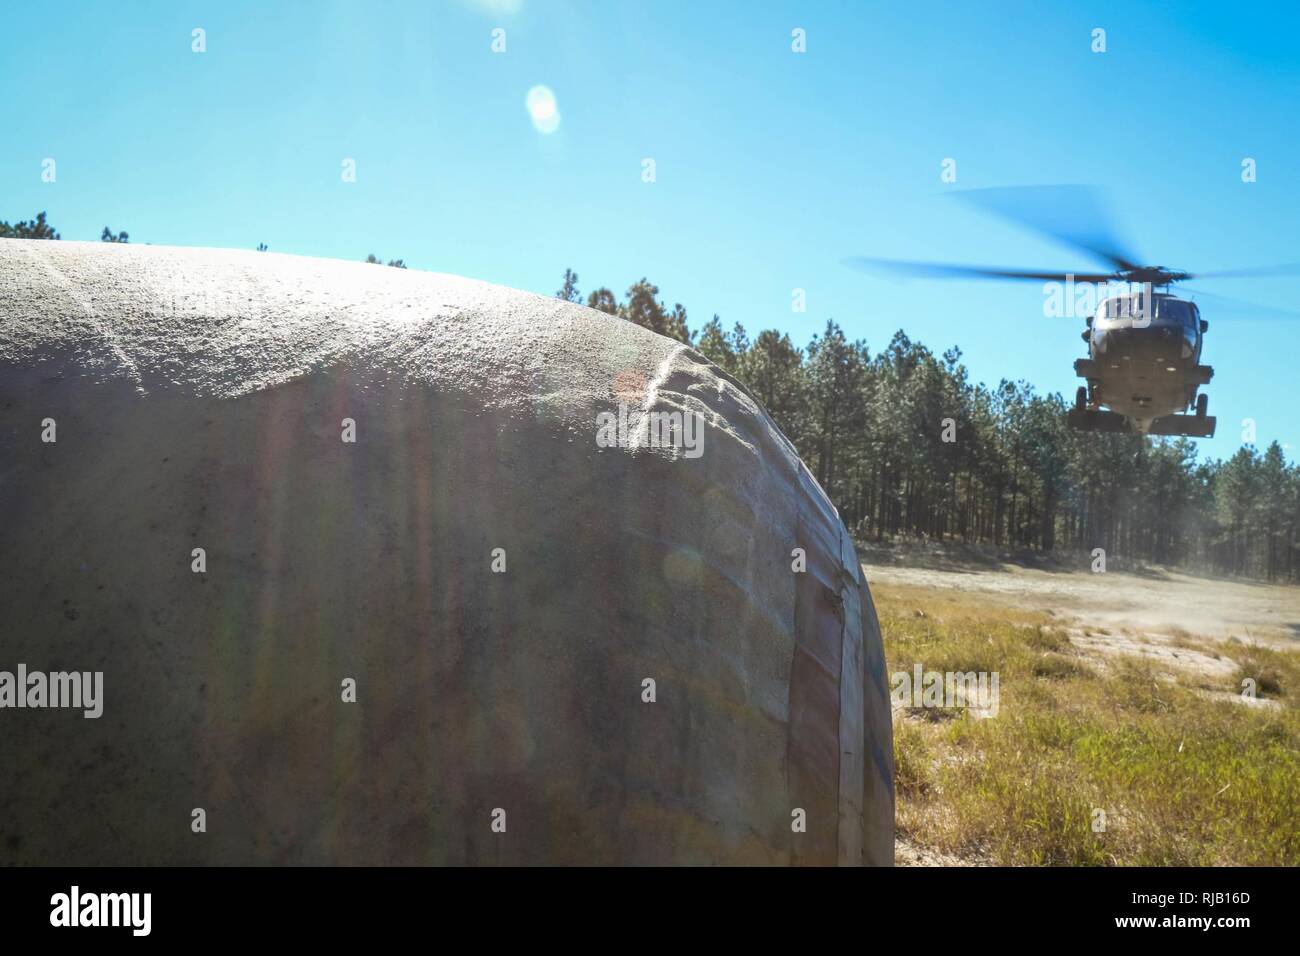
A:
(1178, 622)
(1159, 614)
(1157, 600)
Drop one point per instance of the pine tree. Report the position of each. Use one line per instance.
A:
(37, 228)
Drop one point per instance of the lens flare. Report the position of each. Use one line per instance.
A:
(543, 110)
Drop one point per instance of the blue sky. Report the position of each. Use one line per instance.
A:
(771, 166)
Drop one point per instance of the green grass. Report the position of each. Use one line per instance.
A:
(1184, 777)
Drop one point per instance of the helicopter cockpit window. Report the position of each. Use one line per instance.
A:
(1121, 307)
(1174, 310)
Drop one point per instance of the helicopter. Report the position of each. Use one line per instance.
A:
(1143, 370)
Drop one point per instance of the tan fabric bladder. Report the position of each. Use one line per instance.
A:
(199, 398)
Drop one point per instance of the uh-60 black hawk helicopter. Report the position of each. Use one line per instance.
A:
(1144, 346)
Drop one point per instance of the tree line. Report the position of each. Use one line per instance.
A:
(907, 446)
(39, 228)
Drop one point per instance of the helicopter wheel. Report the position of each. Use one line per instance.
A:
(1081, 398)
(1202, 405)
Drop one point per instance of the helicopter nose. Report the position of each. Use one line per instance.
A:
(1112, 340)
(1135, 337)
(1159, 345)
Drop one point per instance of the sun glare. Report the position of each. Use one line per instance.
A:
(543, 110)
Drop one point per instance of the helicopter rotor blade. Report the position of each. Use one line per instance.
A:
(1284, 269)
(1233, 309)
(939, 270)
(1072, 214)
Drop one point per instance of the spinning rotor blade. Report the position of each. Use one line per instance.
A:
(938, 270)
(1285, 269)
(1074, 215)
(1228, 308)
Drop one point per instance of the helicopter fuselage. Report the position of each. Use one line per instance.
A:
(1144, 364)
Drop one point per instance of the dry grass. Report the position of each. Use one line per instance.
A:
(1183, 777)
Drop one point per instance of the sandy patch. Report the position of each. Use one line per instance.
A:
(1176, 621)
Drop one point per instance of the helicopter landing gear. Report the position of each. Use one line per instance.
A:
(1193, 426)
(1081, 398)
(1202, 405)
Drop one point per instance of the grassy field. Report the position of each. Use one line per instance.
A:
(1091, 759)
